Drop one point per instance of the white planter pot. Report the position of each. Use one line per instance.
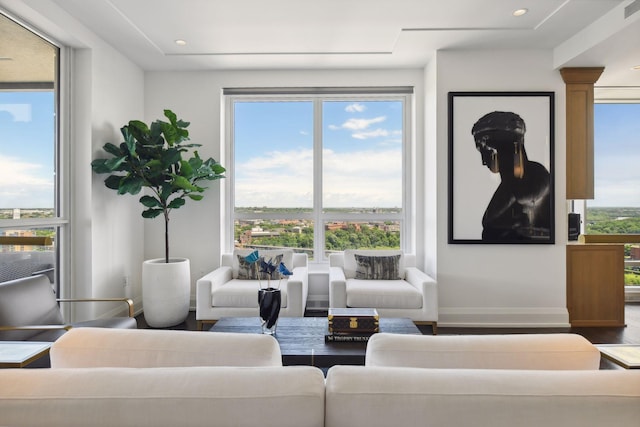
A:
(166, 289)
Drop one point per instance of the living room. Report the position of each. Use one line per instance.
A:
(500, 285)
(119, 61)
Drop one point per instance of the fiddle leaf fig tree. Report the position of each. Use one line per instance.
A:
(152, 157)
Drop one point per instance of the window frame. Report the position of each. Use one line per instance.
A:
(317, 96)
(61, 161)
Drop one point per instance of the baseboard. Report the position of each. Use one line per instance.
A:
(500, 317)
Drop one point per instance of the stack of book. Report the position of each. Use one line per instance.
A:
(352, 324)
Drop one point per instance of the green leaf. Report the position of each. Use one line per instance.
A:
(129, 143)
(184, 183)
(176, 203)
(151, 213)
(98, 166)
(171, 116)
(195, 197)
(131, 185)
(154, 166)
(218, 169)
(114, 164)
(113, 182)
(170, 157)
(112, 149)
(186, 169)
(150, 202)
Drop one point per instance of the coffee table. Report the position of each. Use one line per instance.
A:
(302, 340)
(18, 354)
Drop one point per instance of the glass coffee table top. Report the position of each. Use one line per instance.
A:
(18, 354)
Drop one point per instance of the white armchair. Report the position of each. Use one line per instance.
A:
(393, 285)
(224, 293)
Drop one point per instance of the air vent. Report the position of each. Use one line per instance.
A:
(631, 9)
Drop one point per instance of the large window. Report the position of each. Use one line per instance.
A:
(616, 206)
(319, 172)
(31, 221)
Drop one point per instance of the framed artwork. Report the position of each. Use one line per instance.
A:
(501, 187)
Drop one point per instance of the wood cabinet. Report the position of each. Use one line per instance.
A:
(595, 284)
(579, 114)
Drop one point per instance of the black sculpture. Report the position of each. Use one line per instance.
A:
(520, 206)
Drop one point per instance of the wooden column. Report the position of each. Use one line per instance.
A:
(579, 97)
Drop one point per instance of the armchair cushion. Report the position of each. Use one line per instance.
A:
(243, 293)
(382, 294)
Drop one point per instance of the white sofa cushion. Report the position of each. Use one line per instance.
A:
(291, 396)
(513, 351)
(147, 348)
(350, 264)
(244, 293)
(358, 396)
(382, 294)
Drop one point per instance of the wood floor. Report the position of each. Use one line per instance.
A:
(602, 335)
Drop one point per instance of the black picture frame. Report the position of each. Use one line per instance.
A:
(501, 167)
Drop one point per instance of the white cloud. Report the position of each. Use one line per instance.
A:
(360, 124)
(355, 108)
(20, 185)
(371, 134)
(352, 179)
(19, 112)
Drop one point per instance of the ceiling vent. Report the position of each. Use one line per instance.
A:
(631, 9)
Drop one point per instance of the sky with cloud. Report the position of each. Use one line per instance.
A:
(617, 155)
(26, 150)
(361, 154)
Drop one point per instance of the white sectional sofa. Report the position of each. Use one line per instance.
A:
(206, 379)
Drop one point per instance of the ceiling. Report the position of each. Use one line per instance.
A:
(339, 34)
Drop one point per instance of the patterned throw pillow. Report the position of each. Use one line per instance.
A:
(246, 270)
(378, 267)
(251, 271)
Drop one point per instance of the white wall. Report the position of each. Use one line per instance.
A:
(499, 285)
(196, 97)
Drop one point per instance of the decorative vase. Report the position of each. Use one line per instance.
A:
(269, 300)
(166, 289)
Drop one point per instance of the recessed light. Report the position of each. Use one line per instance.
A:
(181, 42)
(520, 12)
(637, 68)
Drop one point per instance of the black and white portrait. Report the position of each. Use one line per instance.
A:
(500, 167)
